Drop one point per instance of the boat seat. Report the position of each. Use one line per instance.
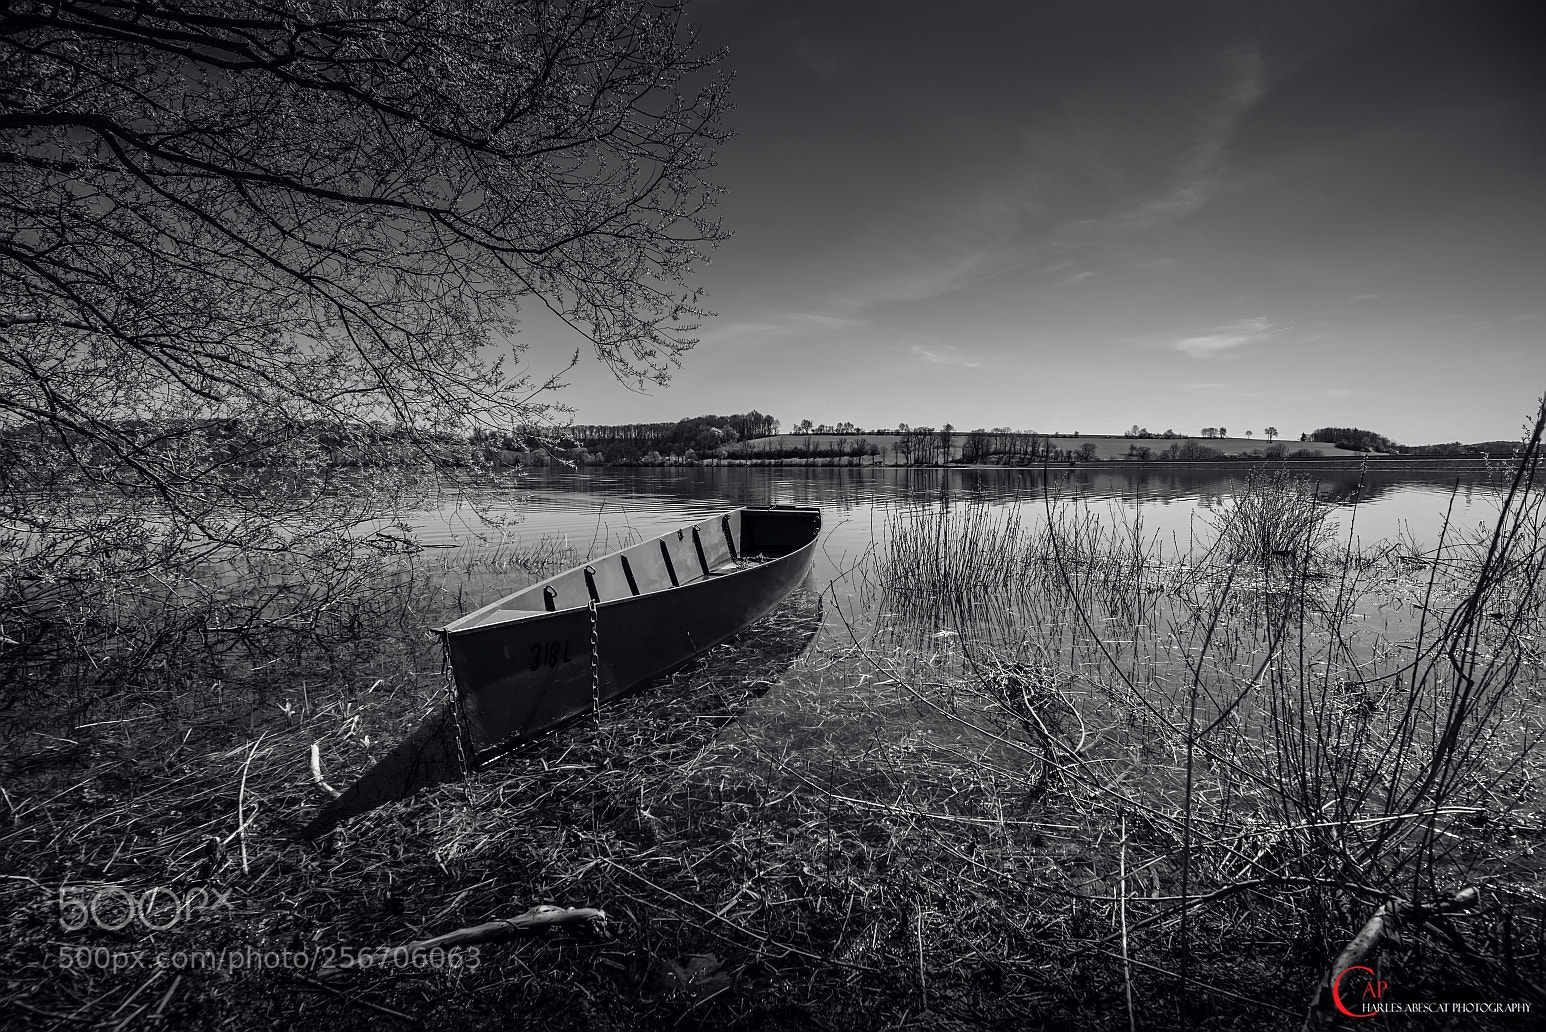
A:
(684, 557)
(608, 581)
(648, 568)
(711, 546)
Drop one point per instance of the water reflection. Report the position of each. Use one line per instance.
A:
(598, 510)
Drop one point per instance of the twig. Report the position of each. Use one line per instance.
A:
(543, 916)
(240, 834)
(316, 771)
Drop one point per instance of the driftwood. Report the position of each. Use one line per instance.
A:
(316, 771)
(491, 931)
(1386, 924)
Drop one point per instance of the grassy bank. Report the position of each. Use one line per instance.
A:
(1021, 776)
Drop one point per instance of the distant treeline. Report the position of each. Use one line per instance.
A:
(986, 448)
(1456, 450)
(1354, 439)
(806, 447)
(736, 438)
(704, 436)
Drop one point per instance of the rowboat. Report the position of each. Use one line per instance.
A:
(550, 653)
(557, 651)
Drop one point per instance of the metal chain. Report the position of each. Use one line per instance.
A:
(595, 667)
(454, 703)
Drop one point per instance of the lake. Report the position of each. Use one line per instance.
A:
(598, 510)
(862, 632)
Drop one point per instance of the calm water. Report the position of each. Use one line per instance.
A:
(904, 689)
(598, 510)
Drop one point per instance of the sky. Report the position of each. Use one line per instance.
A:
(1085, 215)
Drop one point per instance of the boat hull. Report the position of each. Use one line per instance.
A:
(622, 620)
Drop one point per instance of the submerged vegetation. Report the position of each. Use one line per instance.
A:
(1019, 772)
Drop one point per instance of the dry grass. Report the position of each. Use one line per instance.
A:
(1300, 738)
(1115, 787)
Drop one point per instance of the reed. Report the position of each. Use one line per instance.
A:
(1275, 517)
(1295, 751)
(1126, 769)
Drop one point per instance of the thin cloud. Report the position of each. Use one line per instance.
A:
(980, 229)
(775, 325)
(936, 250)
(821, 320)
(1199, 175)
(1076, 278)
(945, 354)
(1226, 338)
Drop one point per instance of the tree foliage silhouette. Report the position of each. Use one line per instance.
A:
(288, 210)
(247, 248)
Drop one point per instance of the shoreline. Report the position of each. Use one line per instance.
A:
(828, 462)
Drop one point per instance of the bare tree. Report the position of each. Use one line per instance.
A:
(1271, 432)
(290, 210)
(282, 234)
